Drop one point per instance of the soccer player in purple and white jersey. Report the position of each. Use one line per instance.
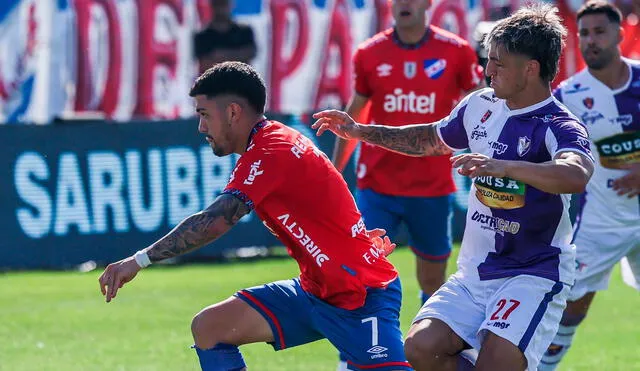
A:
(528, 154)
(606, 97)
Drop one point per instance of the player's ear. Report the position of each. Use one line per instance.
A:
(620, 34)
(533, 68)
(234, 110)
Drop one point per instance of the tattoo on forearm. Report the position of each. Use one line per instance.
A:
(199, 229)
(414, 140)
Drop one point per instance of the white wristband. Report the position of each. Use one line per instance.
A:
(142, 259)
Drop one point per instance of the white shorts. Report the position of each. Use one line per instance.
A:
(525, 310)
(598, 251)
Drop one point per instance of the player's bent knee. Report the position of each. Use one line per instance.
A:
(203, 330)
(429, 341)
(209, 326)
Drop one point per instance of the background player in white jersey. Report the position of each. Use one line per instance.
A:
(606, 97)
(528, 154)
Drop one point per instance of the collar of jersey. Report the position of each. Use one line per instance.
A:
(256, 128)
(422, 41)
(527, 109)
(620, 89)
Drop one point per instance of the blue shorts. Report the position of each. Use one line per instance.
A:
(369, 336)
(428, 220)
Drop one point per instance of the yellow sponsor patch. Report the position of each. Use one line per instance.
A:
(500, 193)
(619, 150)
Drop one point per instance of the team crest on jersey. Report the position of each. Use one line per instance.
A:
(410, 69)
(434, 68)
(486, 116)
(524, 144)
(588, 102)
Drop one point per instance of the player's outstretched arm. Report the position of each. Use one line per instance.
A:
(568, 172)
(192, 233)
(413, 140)
(199, 229)
(343, 148)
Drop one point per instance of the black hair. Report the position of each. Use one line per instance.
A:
(600, 7)
(234, 78)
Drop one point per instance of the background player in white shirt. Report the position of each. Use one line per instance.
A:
(606, 97)
(529, 153)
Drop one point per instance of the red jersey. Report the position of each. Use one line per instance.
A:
(630, 45)
(304, 201)
(409, 84)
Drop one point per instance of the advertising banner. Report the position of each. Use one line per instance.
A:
(133, 59)
(76, 192)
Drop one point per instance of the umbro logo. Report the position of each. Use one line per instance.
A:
(377, 349)
(384, 69)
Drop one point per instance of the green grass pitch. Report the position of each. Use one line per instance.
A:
(59, 321)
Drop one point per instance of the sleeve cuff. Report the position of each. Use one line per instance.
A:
(444, 141)
(576, 150)
(240, 196)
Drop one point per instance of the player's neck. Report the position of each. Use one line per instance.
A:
(245, 134)
(410, 35)
(528, 97)
(615, 75)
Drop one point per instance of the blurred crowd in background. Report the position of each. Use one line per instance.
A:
(133, 59)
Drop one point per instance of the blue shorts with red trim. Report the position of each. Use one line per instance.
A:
(428, 220)
(369, 336)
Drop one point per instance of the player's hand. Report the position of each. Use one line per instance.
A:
(381, 243)
(339, 122)
(116, 275)
(628, 184)
(476, 164)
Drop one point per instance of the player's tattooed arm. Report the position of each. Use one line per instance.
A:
(199, 229)
(412, 140)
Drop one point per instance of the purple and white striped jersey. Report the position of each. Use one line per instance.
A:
(612, 118)
(513, 228)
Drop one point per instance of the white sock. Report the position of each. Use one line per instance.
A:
(558, 348)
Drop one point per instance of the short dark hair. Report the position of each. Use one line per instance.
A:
(600, 7)
(235, 78)
(535, 31)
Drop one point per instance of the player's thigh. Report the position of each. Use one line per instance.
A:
(287, 310)
(428, 221)
(448, 322)
(368, 337)
(597, 252)
(526, 311)
(498, 354)
(379, 211)
(231, 321)
(630, 266)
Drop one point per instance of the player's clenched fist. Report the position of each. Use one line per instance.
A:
(338, 122)
(116, 275)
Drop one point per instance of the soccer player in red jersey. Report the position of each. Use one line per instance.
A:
(347, 291)
(413, 72)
